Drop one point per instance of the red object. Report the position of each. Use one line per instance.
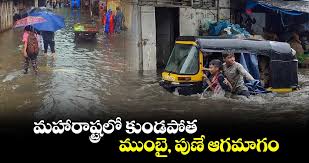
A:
(111, 24)
(103, 19)
(249, 11)
(29, 20)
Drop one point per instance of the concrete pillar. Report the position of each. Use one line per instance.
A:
(148, 27)
(140, 38)
(11, 13)
(132, 36)
(36, 3)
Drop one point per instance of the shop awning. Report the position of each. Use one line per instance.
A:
(286, 7)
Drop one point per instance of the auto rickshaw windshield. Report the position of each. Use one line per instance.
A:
(183, 60)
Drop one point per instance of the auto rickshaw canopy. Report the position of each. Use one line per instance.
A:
(274, 50)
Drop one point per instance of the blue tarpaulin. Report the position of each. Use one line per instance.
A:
(216, 28)
(252, 4)
(255, 87)
(250, 63)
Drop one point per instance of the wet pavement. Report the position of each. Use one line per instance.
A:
(91, 79)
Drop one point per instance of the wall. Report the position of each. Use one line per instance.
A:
(260, 22)
(6, 15)
(224, 9)
(112, 4)
(190, 19)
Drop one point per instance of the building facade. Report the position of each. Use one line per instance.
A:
(153, 26)
(6, 15)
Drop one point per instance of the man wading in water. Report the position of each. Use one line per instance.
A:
(49, 40)
(235, 74)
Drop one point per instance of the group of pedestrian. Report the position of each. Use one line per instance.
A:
(54, 3)
(227, 77)
(113, 23)
(31, 41)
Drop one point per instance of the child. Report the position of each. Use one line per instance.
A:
(217, 82)
(31, 49)
(235, 73)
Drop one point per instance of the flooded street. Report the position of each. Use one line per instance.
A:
(91, 79)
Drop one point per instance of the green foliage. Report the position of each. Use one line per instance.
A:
(301, 57)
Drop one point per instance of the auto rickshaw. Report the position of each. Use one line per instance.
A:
(277, 63)
(85, 30)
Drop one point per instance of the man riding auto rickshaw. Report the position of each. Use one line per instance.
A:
(271, 63)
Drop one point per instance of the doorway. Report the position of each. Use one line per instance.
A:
(167, 30)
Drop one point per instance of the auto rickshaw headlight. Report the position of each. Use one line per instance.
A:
(169, 78)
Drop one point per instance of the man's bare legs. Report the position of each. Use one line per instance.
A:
(54, 56)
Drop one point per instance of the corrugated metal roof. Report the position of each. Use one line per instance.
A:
(302, 6)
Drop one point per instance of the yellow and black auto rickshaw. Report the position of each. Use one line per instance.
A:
(277, 63)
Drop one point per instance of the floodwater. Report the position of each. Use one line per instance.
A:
(91, 79)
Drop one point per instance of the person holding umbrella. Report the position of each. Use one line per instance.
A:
(53, 23)
(30, 40)
(49, 40)
(31, 49)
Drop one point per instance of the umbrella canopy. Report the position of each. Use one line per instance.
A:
(29, 20)
(54, 22)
